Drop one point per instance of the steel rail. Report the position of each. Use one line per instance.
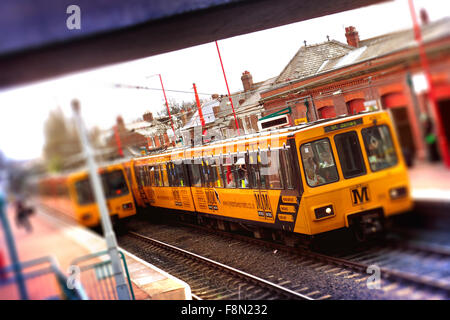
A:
(241, 274)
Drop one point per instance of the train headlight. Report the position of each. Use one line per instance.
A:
(324, 212)
(127, 206)
(397, 193)
(86, 217)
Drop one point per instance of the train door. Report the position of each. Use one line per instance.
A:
(260, 190)
(138, 169)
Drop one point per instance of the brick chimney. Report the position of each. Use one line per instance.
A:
(120, 123)
(424, 17)
(148, 117)
(352, 36)
(247, 81)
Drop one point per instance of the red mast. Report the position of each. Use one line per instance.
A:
(228, 89)
(200, 111)
(431, 93)
(167, 105)
(118, 142)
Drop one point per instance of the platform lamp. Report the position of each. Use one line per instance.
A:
(110, 237)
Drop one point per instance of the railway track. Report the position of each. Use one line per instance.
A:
(400, 264)
(208, 279)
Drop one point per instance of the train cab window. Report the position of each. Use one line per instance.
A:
(379, 147)
(270, 169)
(242, 172)
(350, 155)
(318, 163)
(114, 184)
(84, 192)
(195, 172)
(164, 176)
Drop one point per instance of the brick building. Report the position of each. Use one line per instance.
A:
(332, 78)
(149, 132)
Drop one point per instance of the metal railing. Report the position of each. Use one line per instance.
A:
(43, 280)
(95, 274)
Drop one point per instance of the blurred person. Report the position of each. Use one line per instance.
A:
(314, 179)
(2, 265)
(22, 215)
(243, 176)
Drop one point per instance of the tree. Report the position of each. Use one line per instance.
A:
(61, 141)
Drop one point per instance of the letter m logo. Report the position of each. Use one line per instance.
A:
(360, 195)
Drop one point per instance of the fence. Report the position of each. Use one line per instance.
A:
(43, 281)
(95, 273)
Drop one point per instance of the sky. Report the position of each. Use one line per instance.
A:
(264, 54)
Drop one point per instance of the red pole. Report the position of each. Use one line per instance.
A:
(167, 105)
(200, 111)
(431, 93)
(118, 142)
(228, 89)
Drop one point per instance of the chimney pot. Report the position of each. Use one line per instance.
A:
(424, 17)
(352, 36)
(148, 117)
(247, 81)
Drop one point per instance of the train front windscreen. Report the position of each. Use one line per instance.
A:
(114, 185)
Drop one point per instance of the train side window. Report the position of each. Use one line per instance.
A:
(164, 176)
(350, 155)
(146, 176)
(253, 170)
(229, 172)
(158, 180)
(151, 175)
(241, 172)
(379, 147)
(171, 176)
(216, 173)
(286, 164)
(179, 174)
(195, 171)
(270, 169)
(141, 176)
(318, 163)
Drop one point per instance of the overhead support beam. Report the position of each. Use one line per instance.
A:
(37, 44)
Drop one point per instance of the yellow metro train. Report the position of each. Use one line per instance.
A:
(346, 172)
(72, 195)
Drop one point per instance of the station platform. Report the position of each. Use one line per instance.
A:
(65, 241)
(430, 182)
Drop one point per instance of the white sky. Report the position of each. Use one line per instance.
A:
(264, 54)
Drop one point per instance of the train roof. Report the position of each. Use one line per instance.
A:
(277, 133)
